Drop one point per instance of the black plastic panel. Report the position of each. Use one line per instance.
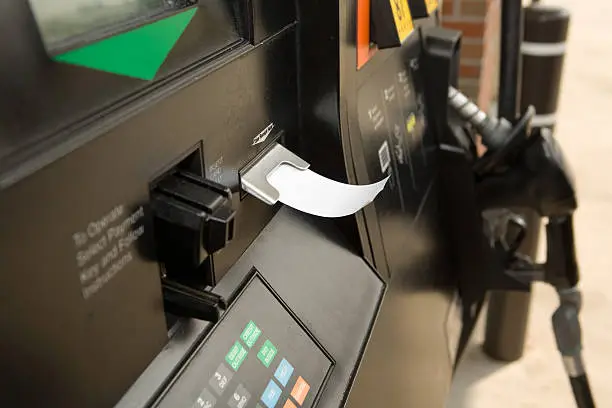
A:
(409, 346)
(86, 320)
(45, 104)
(269, 16)
(391, 125)
(324, 284)
(391, 122)
(258, 354)
(328, 287)
(105, 138)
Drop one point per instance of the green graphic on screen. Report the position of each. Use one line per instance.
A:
(138, 53)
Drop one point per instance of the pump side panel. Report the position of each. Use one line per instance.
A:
(409, 359)
(82, 311)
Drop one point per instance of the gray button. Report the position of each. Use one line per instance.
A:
(239, 398)
(205, 400)
(220, 379)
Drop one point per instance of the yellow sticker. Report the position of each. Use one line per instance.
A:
(411, 123)
(431, 5)
(402, 17)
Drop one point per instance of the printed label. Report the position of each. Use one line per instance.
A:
(220, 379)
(402, 78)
(239, 398)
(283, 372)
(250, 334)
(205, 400)
(376, 117)
(384, 157)
(236, 356)
(411, 123)
(300, 390)
(105, 246)
(215, 170)
(267, 353)
(431, 5)
(263, 135)
(398, 145)
(271, 394)
(402, 17)
(389, 93)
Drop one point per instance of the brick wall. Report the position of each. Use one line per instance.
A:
(479, 22)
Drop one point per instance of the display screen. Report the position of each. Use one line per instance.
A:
(64, 21)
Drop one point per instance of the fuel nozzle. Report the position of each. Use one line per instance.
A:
(527, 169)
(493, 131)
(501, 137)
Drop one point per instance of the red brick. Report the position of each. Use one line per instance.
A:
(467, 71)
(469, 29)
(490, 59)
(448, 7)
(474, 8)
(473, 51)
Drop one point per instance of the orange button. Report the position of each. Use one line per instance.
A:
(300, 390)
(289, 404)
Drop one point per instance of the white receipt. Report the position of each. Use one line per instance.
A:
(314, 194)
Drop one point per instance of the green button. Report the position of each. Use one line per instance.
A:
(250, 334)
(236, 356)
(267, 353)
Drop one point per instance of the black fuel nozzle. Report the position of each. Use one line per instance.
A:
(523, 167)
(538, 178)
(501, 137)
(526, 168)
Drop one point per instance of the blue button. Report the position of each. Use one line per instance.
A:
(283, 372)
(271, 394)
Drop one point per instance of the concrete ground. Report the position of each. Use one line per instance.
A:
(585, 132)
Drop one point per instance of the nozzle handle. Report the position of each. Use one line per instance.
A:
(493, 131)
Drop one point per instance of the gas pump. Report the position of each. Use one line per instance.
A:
(144, 259)
(139, 267)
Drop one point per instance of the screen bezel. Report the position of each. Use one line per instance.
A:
(80, 40)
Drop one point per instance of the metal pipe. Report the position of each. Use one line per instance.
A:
(543, 51)
(508, 312)
(510, 59)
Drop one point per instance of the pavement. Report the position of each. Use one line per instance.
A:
(584, 119)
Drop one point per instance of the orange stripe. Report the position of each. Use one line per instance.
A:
(364, 53)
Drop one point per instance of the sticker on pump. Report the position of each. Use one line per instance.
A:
(431, 5)
(402, 17)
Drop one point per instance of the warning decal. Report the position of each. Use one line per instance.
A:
(402, 17)
(431, 5)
